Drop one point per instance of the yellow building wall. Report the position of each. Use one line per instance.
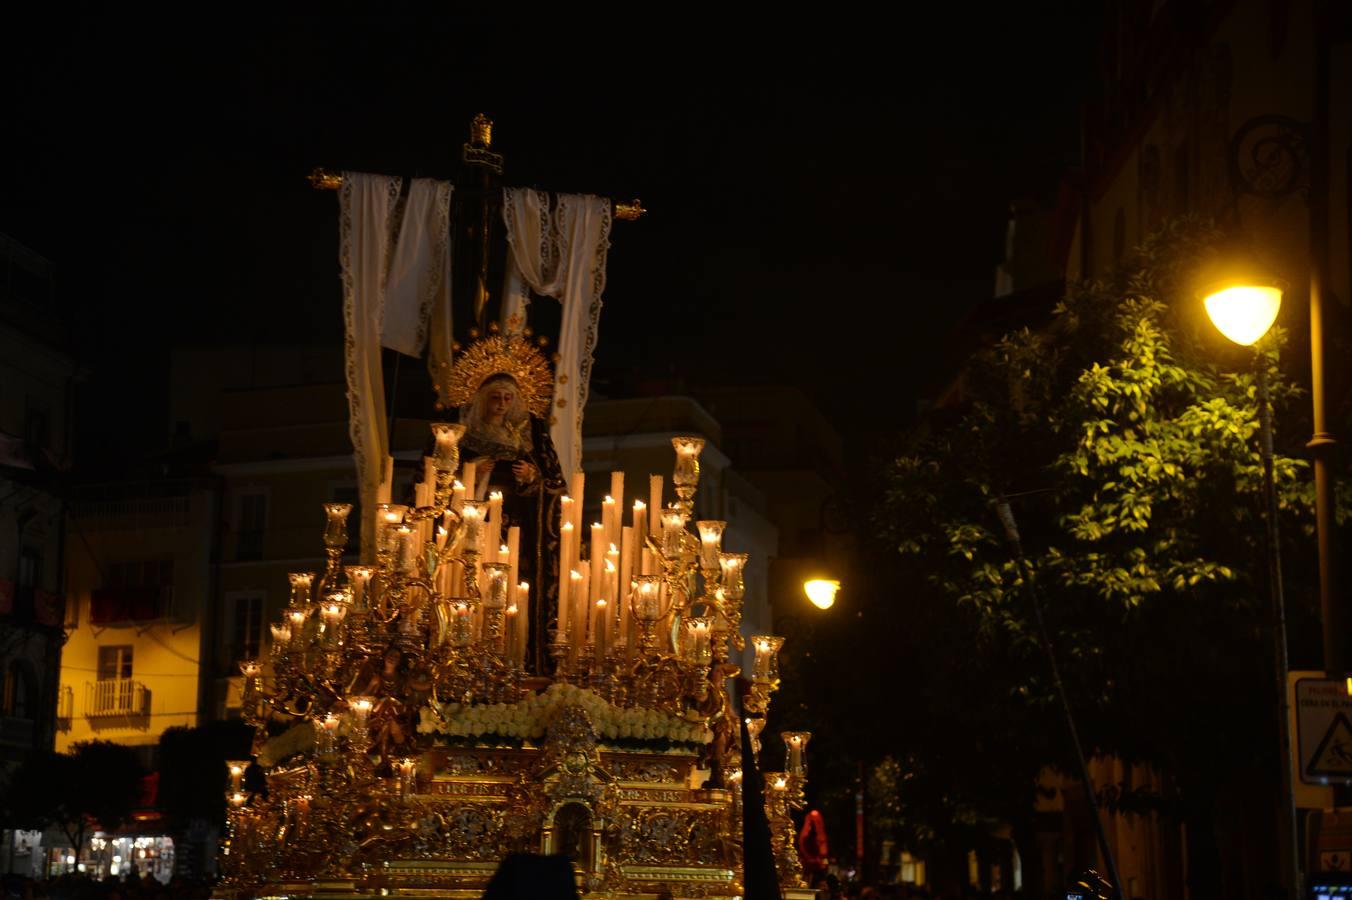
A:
(166, 652)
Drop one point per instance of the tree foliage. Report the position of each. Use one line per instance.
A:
(96, 783)
(1124, 435)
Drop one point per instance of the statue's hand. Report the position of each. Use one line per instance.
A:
(525, 472)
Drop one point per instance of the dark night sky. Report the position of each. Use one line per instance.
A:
(827, 198)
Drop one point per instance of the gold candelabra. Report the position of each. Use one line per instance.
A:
(405, 747)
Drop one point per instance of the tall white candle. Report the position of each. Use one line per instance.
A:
(469, 475)
(494, 526)
(522, 621)
(566, 537)
(611, 591)
(457, 495)
(654, 503)
(616, 491)
(610, 513)
(513, 553)
(576, 485)
(640, 523)
(626, 572)
(597, 560)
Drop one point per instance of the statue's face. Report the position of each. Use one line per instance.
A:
(498, 401)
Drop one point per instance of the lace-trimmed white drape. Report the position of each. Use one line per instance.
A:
(389, 295)
(559, 253)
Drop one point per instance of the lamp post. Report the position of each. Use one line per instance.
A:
(1272, 157)
(1244, 312)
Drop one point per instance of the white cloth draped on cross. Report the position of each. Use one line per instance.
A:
(559, 253)
(396, 293)
(396, 288)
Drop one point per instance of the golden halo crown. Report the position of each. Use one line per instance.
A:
(503, 354)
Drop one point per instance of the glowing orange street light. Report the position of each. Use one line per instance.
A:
(1244, 312)
(821, 591)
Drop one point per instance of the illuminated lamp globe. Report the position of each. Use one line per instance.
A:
(821, 591)
(1243, 312)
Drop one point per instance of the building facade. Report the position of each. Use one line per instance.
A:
(36, 384)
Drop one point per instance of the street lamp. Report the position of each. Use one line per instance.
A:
(1244, 310)
(821, 591)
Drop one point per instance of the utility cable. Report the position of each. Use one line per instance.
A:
(1011, 529)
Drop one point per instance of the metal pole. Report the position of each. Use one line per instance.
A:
(1290, 860)
(1012, 535)
(1322, 443)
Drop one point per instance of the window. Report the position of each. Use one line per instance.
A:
(30, 579)
(18, 687)
(245, 626)
(115, 662)
(134, 590)
(253, 514)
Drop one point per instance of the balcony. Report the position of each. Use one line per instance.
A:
(65, 707)
(116, 697)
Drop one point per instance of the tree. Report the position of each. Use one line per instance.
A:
(98, 783)
(193, 782)
(1124, 435)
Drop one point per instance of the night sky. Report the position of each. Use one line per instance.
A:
(827, 197)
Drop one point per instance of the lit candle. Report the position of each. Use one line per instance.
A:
(597, 560)
(388, 518)
(610, 591)
(622, 614)
(710, 543)
(447, 452)
(582, 607)
(640, 522)
(297, 618)
(469, 475)
(609, 514)
(301, 583)
(473, 513)
(512, 558)
(673, 527)
(795, 743)
(522, 622)
(599, 629)
(509, 629)
(361, 708)
(457, 496)
(766, 669)
(406, 557)
(360, 579)
(281, 635)
(565, 583)
(697, 639)
(494, 523)
(575, 590)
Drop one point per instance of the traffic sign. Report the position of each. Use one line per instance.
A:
(1324, 731)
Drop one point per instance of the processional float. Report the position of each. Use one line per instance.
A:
(405, 746)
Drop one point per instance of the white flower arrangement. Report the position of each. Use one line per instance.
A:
(529, 718)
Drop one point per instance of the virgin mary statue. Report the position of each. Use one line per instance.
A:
(503, 386)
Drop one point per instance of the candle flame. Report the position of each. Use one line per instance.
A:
(609, 499)
(610, 566)
(577, 576)
(567, 526)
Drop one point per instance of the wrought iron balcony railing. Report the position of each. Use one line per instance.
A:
(116, 697)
